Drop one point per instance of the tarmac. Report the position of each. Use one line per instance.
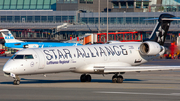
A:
(143, 86)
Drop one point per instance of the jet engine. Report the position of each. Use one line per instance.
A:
(150, 48)
(31, 46)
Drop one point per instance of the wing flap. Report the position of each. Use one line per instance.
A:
(112, 69)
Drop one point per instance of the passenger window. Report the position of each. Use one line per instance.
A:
(29, 57)
(17, 44)
(19, 57)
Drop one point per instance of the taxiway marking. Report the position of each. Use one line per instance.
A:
(136, 93)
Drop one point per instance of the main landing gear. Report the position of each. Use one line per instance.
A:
(85, 78)
(16, 80)
(117, 78)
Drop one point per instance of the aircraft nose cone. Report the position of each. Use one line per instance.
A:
(8, 66)
(7, 70)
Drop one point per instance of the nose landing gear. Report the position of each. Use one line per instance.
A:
(16, 81)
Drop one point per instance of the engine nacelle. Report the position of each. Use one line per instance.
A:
(150, 48)
(31, 46)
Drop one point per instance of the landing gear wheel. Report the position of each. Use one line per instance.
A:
(83, 78)
(120, 79)
(16, 82)
(114, 79)
(88, 78)
(117, 79)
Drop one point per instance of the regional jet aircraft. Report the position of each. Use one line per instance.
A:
(113, 58)
(13, 43)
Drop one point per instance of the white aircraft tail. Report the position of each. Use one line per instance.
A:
(8, 37)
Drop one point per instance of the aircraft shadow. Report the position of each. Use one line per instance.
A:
(36, 81)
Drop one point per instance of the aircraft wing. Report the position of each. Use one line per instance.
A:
(112, 69)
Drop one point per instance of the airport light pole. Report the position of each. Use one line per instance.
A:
(99, 18)
(107, 20)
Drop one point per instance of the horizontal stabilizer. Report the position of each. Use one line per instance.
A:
(114, 69)
(173, 18)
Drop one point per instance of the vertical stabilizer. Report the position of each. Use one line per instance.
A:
(160, 31)
(8, 37)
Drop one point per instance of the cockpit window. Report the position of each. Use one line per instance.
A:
(22, 57)
(19, 57)
(29, 57)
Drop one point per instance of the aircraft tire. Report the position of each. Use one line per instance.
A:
(114, 79)
(120, 79)
(16, 82)
(83, 78)
(88, 78)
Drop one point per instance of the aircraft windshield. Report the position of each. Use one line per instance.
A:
(19, 57)
(29, 57)
(22, 57)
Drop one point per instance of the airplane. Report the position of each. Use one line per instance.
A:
(113, 58)
(13, 43)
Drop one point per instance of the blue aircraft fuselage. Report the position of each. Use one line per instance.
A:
(40, 44)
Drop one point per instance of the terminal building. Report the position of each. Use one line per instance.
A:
(42, 19)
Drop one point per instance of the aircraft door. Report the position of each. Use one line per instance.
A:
(41, 58)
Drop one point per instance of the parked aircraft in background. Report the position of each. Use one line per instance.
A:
(113, 58)
(13, 43)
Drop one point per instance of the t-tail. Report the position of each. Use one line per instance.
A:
(8, 37)
(160, 31)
